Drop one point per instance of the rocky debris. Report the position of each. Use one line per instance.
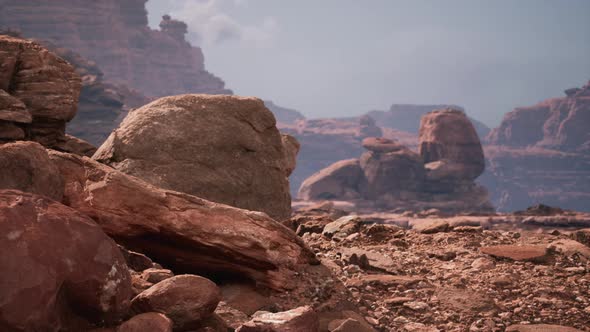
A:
(154, 275)
(582, 236)
(62, 271)
(181, 231)
(569, 247)
(342, 227)
(295, 320)
(226, 131)
(26, 166)
(352, 325)
(186, 299)
(541, 154)
(136, 261)
(39, 90)
(540, 328)
(155, 62)
(448, 281)
(393, 176)
(149, 321)
(533, 253)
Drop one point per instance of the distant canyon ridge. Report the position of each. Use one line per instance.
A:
(538, 154)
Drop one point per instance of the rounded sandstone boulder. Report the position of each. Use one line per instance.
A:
(186, 299)
(61, 270)
(226, 149)
(447, 134)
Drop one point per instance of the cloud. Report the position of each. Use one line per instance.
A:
(209, 23)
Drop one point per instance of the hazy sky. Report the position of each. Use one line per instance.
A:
(345, 57)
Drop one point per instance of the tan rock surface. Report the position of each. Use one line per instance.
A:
(234, 155)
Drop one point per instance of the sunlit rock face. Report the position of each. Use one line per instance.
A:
(115, 34)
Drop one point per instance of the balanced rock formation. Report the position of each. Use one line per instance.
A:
(115, 34)
(448, 138)
(391, 175)
(38, 92)
(541, 154)
(60, 270)
(222, 148)
(183, 232)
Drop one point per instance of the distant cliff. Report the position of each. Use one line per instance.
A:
(541, 154)
(115, 34)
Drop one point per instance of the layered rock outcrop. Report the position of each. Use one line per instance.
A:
(234, 154)
(182, 231)
(540, 154)
(38, 93)
(391, 175)
(115, 34)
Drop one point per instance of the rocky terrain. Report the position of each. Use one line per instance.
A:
(115, 35)
(390, 175)
(434, 272)
(540, 154)
(123, 242)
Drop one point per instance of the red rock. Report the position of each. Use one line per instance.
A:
(448, 134)
(381, 144)
(386, 280)
(391, 173)
(368, 128)
(215, 238)
(155, 62)
(337, 181)
(302, 319)
(541, 153)
(149, 321)
(26, 166)
(535, 253)
(46, 84)
(61, 265)
(225, 131)
(12, 108)
(154, 276)
(540, 328)
(185, 299)
(291, 148)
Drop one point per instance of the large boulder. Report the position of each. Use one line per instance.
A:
(226, 149)
(45, 84)
(448, 135)
(58, 266)
(186, 299)
(180, 231)
(391, 172)
(26, 166)
(340, 180)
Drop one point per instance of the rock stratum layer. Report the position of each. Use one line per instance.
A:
(234, 153)
(115, 34)
(541, 154)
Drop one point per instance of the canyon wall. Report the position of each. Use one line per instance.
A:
(115, 34)
(541, 154)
